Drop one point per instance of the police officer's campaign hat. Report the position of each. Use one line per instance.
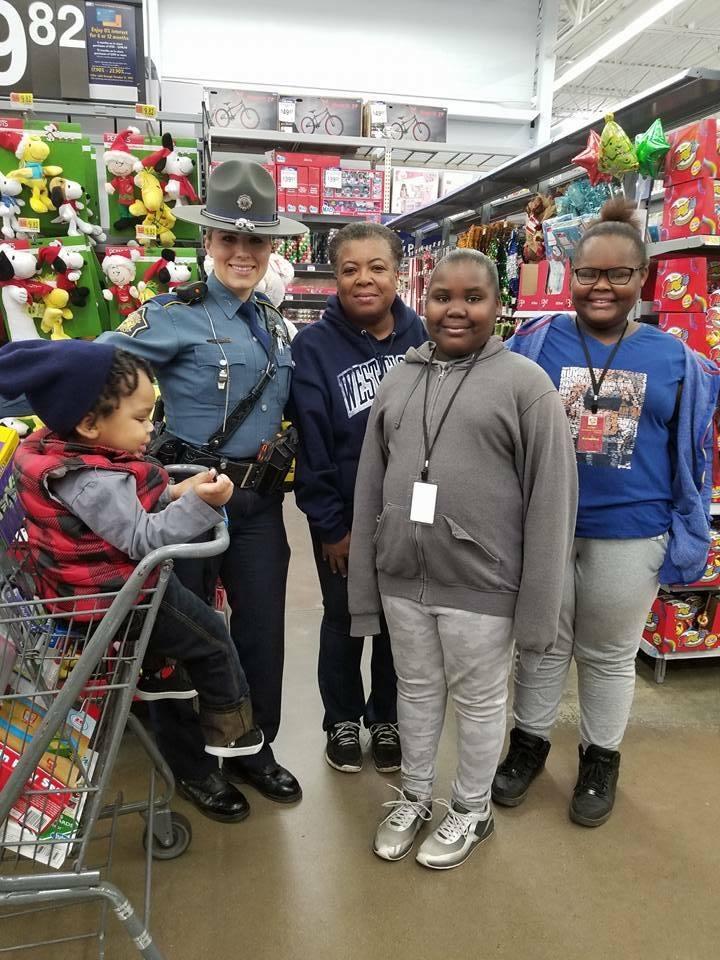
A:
(241, 198)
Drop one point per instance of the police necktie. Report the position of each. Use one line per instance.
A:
(249, 314)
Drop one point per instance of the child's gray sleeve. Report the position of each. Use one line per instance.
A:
(106, 501)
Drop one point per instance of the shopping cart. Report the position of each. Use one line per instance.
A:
(66, 688)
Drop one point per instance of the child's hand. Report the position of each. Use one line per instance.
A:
(216, 493)
(178, 489)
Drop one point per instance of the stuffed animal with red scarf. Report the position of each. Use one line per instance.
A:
(66, 195)
(177, 167)
(119, 268)
(19, 289)
(165, 270)
(67, 263)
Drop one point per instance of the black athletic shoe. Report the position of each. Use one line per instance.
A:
(594, 795)
(386, 752)
(525, 759)
(170, 682)
(343, 747)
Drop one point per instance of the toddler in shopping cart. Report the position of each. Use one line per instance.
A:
(94, 507)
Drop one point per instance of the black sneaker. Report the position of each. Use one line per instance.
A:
(386, 752)
(594, 795)
(525, 759)
(170, 682)
(343, 747)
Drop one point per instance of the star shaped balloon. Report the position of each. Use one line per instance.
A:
(588, 160)
(651, 148)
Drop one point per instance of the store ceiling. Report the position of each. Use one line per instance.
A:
(687, 37)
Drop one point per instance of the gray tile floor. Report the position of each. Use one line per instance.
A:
(300, 883)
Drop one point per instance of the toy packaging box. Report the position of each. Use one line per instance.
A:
(533, 293)
(691, 209)
(694, 153)
(328, 116)
(412, 189)
(681, 285)
(299, 178)
(405, 121)
(683, 623)
(688, 327)
(232, 109)
(452, 180)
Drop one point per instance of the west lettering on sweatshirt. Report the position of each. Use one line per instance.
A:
(359, 383)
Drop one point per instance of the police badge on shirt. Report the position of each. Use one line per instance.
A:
(134, 323)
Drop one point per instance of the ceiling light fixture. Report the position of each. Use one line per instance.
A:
(636, 26)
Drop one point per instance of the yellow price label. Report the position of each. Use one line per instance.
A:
(147, 111)
(28, 225)
(148, 232)
(24, 99)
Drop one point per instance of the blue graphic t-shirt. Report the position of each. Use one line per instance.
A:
(623, 453)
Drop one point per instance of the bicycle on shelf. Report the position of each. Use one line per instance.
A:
(312, 122)
(224, 115)
(66, 689)
(405, 125)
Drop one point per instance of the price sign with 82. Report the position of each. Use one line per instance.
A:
(37, 35)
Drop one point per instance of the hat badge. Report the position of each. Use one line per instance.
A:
(244, 202)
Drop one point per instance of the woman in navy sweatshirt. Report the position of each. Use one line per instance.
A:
(640, 407)
(339, 362)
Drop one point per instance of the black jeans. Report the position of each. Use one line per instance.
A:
(187, 629)
(254, 573)
(339, 675)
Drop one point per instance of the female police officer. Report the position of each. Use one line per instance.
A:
(212, 349)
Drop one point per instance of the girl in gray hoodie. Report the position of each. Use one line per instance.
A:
(464, 515)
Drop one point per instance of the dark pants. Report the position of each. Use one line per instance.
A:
(339, 675)
(187, 629)
(254, 573)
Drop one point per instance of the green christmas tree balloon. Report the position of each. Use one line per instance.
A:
(651, 148)
(617, 154)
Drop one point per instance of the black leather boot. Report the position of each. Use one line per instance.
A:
(594, 795)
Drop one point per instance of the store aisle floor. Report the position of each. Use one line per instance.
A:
(300, 883)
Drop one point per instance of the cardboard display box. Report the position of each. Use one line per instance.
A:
(681, 285)
(328, 116)
(242, 109)
(691, 209)
(694, 153)
(688, 327)
(405, 121)
(533, 292)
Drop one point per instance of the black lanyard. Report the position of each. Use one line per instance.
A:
(597, 384)
(429, 447)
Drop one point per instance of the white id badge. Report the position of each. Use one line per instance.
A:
(424, 497)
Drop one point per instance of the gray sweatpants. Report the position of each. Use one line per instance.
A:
(437, 650)
(609, 589)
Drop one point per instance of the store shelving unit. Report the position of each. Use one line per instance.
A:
(685, 97)
(662, 659)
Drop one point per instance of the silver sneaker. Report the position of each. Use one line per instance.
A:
(396, 834)
(452, 842)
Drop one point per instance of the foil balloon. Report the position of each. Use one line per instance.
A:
(589, 158)
(651, 148)
(617, 154)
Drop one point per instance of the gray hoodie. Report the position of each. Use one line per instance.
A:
(504, 464)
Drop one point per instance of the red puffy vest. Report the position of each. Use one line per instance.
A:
(67, 558)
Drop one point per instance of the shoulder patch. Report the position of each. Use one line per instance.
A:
(134, 323)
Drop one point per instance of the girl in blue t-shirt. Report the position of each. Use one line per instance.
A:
(639, 406)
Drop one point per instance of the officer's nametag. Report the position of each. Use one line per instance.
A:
(134, 323)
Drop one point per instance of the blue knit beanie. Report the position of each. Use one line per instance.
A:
(62, 379)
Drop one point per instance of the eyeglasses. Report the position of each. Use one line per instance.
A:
(618, 276)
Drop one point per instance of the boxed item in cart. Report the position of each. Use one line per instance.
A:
(694, 152)
(329, 116)
(412, 189)
(681, 284)
(232, 109)
(691, 209)
(688, 327)
(405, 121)
(534, 288)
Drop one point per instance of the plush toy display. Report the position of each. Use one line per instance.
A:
(66, 194)
(166, 270)
(280, 274)
(67, 264)
(123, 166)
(540, 208)
(156, 217)
(119, 268)
(10, 204)
(32, 152)
(177, 167)
(18, 291)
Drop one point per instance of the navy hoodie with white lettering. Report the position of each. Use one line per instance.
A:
(337, 371)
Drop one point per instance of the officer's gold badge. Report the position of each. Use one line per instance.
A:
(134, 323)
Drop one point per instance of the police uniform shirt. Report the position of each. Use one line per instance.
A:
(186, 354)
